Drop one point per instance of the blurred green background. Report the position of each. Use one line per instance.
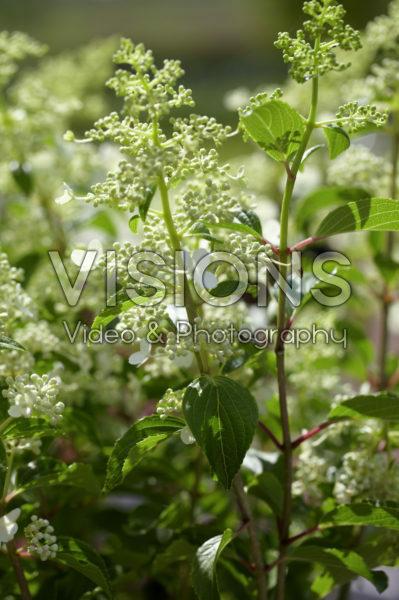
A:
(223, 44)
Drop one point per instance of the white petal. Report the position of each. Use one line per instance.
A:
(13, 515)
(145, 347)
(184, 361)
(210, 280)
(137, 358)
(66, 196)
(96, 245)
(84, 259)
(77, 256)
(186, 436)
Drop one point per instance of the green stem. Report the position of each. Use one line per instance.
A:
(279, 348)
(256, 549)
(7, 480)
(18, 570)
(386, 300)
(203, 366)
(11, 547)
(4, 424)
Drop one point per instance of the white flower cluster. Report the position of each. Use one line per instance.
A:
(37, 337)
(211, 200)
(170, 403)
(359, 167)
(364, 476)
(30, 395)
(41, 539)
(14, 302)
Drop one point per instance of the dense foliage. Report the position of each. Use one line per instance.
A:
(200, 396)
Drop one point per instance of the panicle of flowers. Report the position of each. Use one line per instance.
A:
(34, 395)
(40, 537)
(383, 32)
(149, 96)
(170, 403)
(383, 82)
(354, 116)
(360, 167)
(14, 48)
(310, 54)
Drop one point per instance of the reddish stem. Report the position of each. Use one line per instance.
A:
(304, 243)
(310, 434)
(295, 538)
(274, 248)
(271, 435)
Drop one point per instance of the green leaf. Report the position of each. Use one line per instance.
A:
(340, 565)
(383, 406)
(222, 416)
(388, 267)
(338, 140)
(324, 198)
(178, 551)
(134, 223)
(110, 313)
(22, 175)
(103, 221)
(276, 127)
(250, 218)
(308, 154)
(224, 288)
(79, 556)
(203, 572)
(267, 487)
(29, 428)
(368, 214)
(362, 514)
(235, 227)
(75, 475)
(139, 439)
(145, 206)
(9, 344)
(200, 230)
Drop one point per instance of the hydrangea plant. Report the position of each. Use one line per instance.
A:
(243, 466)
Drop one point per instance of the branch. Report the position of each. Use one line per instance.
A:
(310, 434)
(256, 550)
(304, 243)
(271, 435)
(295, 538)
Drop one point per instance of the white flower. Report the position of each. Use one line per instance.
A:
(8, 526)
(66, 196)
(78, 256)
(139, 358)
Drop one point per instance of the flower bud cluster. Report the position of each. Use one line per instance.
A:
(34, 395)
(40, 538)
(170, 403)
(355, 117)
(14, 48)
(307, 55)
